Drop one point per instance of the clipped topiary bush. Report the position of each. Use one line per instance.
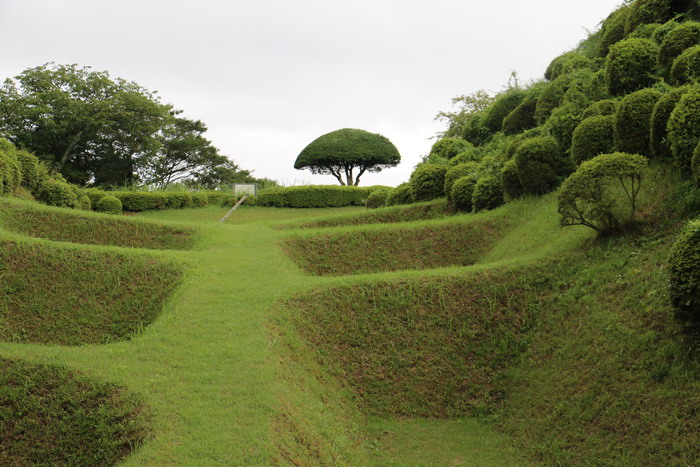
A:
(659, 145)
(377, 199)
(136, 201)
(633, 122)
(684, 272)
(566, 63)
(488, 194)
(662, 31)
(503, 105)
(686, 68)
(314, 196)
(10, 174)
(200, 200)
(630, 66)
(56, 193)
(602, 193)
(684, 128)
(540, 165)
(109, 205)
(552, 97)
(428, 182)
(33, 172)
(400, 195)
(84, 203)
(613, 29)
(470, 155)
(562, 124)
(645, 31)
(447, 148)
(178, 200)
(592, 137)
(677, 40)
(695, 164)
(457, 172)
(510, 181)
(647, 12)
(462, 192)
(522, 117)
(475, 131)
(600, 108)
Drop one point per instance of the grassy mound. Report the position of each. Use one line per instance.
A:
(389, 215)
(65, 296)
(424, 347)
(369, 251)
(63, 225)
(51, 416)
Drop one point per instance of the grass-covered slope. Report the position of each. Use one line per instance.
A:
(65, 225)
(52, 416)
(78, 296)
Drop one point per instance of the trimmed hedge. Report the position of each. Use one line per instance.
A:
(683, 37)
(540, 165)
(400, 195)
(448, 148)
(592, 137)
(510, 181)
(566, 63)
(501, 107)
(314, 196)
(428, 182)
(463, 192)
(600, 108)
(552, 97)
(475, 131)
(659, 145)
(10, 173)
(522, 117)
(84, 203)
(488, 194)
(109, 205)
(57, 193)
(647, 12)
(630, 66)
(686, 68)
(684, 128)
(33, 171)
(633, 122)
(645, 31)
(695, 164)
(684, 272)
(377, 199)
(613, 29)
(457, 172)
(179, 199)
(200, 200)
(137, 201)
(562, 124)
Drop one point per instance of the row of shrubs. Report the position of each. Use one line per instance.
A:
(315, 196)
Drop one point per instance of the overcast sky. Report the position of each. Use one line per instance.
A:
(270, 76)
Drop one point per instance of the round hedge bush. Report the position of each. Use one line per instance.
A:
(633, 122)
(613, 29)
(33, 172)
(552, 97)
(630, 66)
(662, 31)
(109, 205)
(562, 124)
(522, 117)
(593, 136)
(84, 203)
(10, 173)
(501, 107)
(377, 199)
(400, 195)
(695, 164)
(686, 68)
(647, 12)
(659, 145)
(684, 272)
(539, 164)
(447, 148)
(470, 155)
(462, 192)
(566, 63)
(600, 108)
(681, 38)
(510, 181)
(56, 193)
(645, 31)
(201, 200)
(457, 172)
(428, 182)
(684, 128)
(488, 194)
(475, 131)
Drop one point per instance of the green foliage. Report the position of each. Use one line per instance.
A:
(178, 199)
(562, 124)
(52, 416)
(463, 191)
(342, 151)
(552, 97)
(377, 199)
(468, 107)
(56, 193)
(488, 194)
(644, 31)
(633, 122)
(647, 12)
(456, 172)
(600, 108)
(659, 143)
(592, 137)
(470, 155)
(10, 173)
(695, 164)
(109, 205)
(677, 40)
(448, 148)
(686, 67)
(540, 165)
(84, 203)
(510, 181)
(428, 182)
(389, 215)
(602, 193)
(566, 63)
(522, 117)
(33, 172)
(475, 131)
(684, 128)
(663, 30)
(314, 196)
(400, 195)
(613, 29)
(200, 200)
(630, 66)
(684, 272)
(137, 201)
(504, 104)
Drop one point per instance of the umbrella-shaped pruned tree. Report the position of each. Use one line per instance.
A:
(342, 152)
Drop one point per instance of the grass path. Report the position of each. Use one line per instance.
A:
(208, 365)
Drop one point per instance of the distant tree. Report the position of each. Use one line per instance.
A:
(467, 107)
(341, 152)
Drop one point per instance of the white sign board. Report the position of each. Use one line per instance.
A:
(245, 189)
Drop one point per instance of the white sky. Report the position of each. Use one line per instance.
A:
(270, 76)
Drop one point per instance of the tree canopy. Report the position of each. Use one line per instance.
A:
(341, 152)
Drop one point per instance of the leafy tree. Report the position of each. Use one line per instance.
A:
(467, 107)
(340, 152)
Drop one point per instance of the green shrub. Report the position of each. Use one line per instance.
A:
(684, 128)
(645, 31)
(84, 203)
(662, 31)
(109, 205)
(630, 66)
(515, 143)
(57, 193)
(447, 148)
(470, 155)
(456, 172)
(684, 272)
(428, 182)
(400, 195)
(200, 200)
(613, 29)
(510, 181)
(562, 124)
(377, 199)
(566, 63)
(592, 137)
(695, 164)
(633, 122)
(503, 105)
(462, 192)
(540, 165)
(522, 117)
(94, 194)
(659, 145)
(137, 201)
(681, 38)
(10, 174)
(32, 171)
(600, 108)
(475, 131)
(488, 194)
(221, 198)
(686, 68)
(314, 196)
(602, 193)
(647, 12)
(552, 97)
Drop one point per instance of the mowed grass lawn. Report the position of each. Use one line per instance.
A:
(209, 365)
